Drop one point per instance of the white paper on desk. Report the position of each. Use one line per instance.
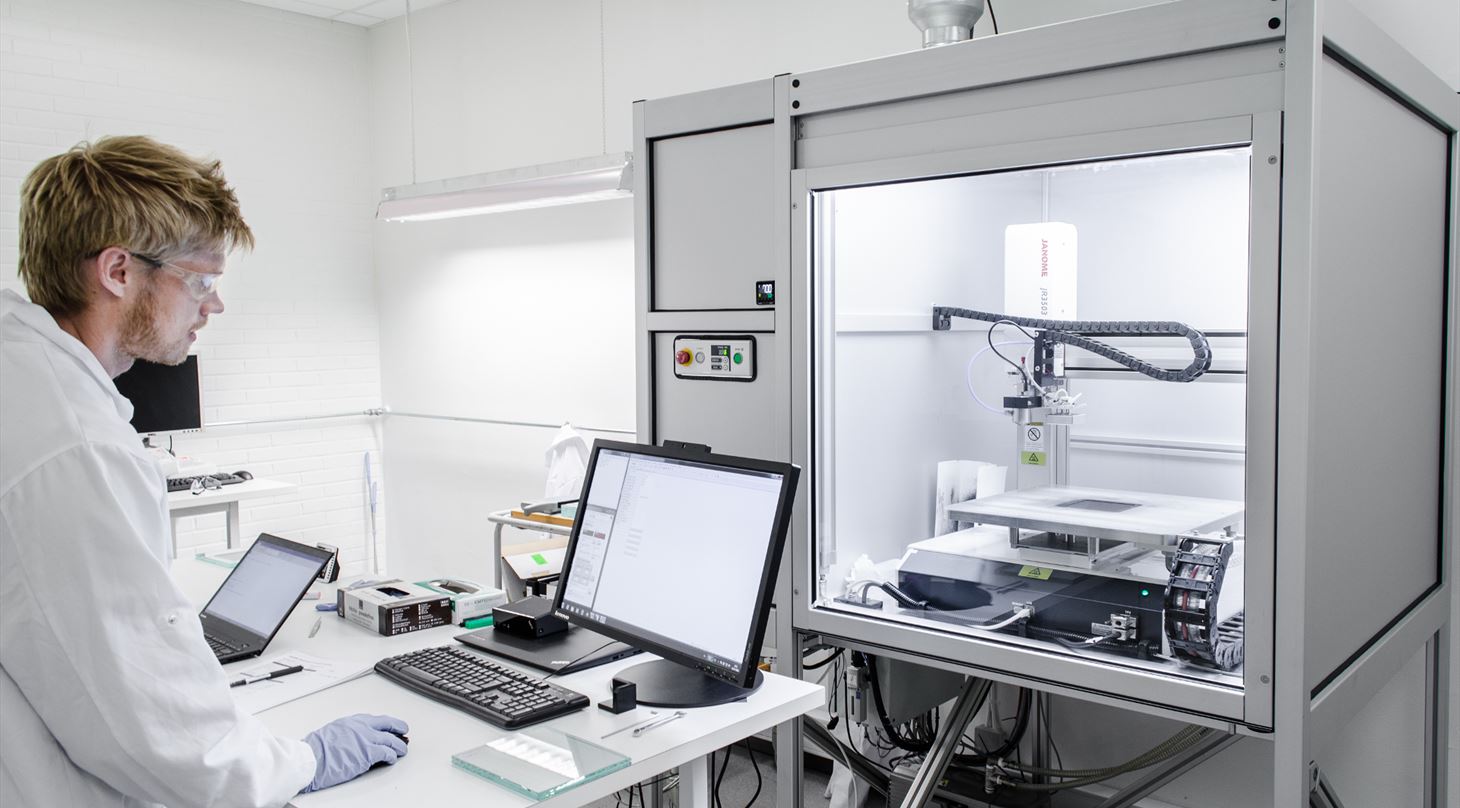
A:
(317, 675)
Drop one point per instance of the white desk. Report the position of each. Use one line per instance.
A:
(425, 776)
(223, 498)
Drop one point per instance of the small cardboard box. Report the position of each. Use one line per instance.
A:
(469, 599)
(394, 607)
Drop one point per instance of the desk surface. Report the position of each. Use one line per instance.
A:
(425, 776)
(222, 495)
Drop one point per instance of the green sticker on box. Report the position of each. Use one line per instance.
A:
(1040, 573)
(539, 559)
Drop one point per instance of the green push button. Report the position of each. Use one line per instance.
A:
(738, 357)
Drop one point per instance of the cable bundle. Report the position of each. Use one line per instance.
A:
(1192, 628)
(1184, 739)
(1069, 333)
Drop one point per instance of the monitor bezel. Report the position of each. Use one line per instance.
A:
(790, 475)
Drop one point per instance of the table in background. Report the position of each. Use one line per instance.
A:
(425, 776)
(501, 519)
(222, 498)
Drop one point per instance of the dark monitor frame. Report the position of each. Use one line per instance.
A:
(642, 639)
(192, 361)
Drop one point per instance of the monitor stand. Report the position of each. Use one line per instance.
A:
(661, 683)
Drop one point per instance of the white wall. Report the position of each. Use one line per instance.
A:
(282, 100)
(503, 84)
(549, 292)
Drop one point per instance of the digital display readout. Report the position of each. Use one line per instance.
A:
(720, 350)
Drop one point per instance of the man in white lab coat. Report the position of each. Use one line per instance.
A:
(109, 695)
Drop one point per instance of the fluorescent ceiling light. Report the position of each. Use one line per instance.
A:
(608, 176)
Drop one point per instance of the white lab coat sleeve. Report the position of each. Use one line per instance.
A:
(111, 655)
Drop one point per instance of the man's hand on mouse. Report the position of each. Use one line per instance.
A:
(348, 747)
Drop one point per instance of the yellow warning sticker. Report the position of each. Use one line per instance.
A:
(1041, 573)
(1032, 458)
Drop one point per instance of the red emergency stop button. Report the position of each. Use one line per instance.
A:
(683, 357)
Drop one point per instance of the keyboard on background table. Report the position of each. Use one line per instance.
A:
(175, 484)
(479, 687)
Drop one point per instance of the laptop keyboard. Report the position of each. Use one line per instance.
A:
(479, 687)
(221, 648)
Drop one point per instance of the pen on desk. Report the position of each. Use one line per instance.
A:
(271, 675)
(315, 628)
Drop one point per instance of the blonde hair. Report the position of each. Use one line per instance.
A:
(129, 192)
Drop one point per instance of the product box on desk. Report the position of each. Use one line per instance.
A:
(394, 607)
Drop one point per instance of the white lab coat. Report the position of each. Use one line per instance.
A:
(109, 695)
(567, 461)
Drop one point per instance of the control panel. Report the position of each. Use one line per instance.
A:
(719, 357)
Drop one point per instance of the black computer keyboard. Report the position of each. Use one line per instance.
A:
(175, 484)
(474, 684)
(220, 648)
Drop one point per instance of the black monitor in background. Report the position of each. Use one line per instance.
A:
(675, 551)
(165, 398)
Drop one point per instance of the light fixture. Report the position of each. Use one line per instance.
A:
(587, 179)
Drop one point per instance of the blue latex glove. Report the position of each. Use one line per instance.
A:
(347, 747)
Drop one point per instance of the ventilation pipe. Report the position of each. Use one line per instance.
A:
(944, 22)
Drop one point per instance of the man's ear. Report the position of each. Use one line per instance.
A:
(114, 271)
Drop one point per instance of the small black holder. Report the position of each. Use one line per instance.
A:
(331, 571)
(625, 697)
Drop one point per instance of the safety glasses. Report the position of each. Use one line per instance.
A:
(200, 284)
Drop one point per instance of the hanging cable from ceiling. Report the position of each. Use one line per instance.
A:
(411, 89)
(602, 85)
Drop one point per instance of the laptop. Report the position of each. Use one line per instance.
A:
(247, 610)
(565, 652)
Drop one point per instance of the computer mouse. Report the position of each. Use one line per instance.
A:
(380, 763)
(243, 475)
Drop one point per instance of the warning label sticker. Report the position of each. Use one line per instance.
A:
(1032, 450)
(1040, 573)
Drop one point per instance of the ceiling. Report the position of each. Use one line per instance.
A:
(355, 12)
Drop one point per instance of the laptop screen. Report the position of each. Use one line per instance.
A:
(266, 584)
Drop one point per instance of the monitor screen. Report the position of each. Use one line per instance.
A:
(675, 551)
(165, 398)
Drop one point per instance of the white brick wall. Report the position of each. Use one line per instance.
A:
(282, 99)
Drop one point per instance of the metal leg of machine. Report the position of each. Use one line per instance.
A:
(1323, 794)
(969, 702)
(1213, 743)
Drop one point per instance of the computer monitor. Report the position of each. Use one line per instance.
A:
(165, 398)
(675, 551)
